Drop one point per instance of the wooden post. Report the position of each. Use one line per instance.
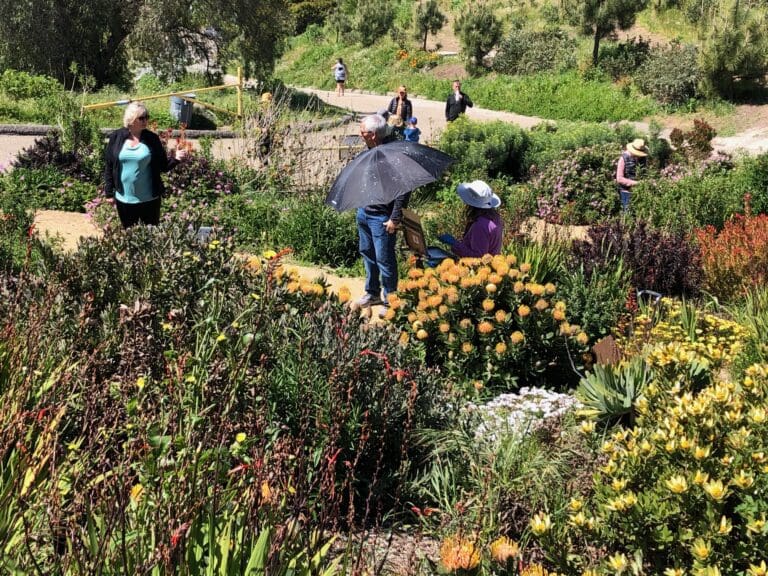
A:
(239, 91)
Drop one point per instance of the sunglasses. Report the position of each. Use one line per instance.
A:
(144, 117)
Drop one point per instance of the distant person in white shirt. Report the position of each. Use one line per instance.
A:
(457, 103)
(340, 75)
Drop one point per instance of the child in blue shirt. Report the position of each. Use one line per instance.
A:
(412, 133)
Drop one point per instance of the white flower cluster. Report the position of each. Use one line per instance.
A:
(520, 413)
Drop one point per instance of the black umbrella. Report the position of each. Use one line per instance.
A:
(381, 174)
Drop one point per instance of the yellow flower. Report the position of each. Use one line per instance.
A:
(221, 337)
(467, 347)
(501, 348)
(523, 311)
(582, 338)
(422, 334)
(674, 572)
(725, 526)
(503, 549)
(716, 490)
(618, 562)
(266, 491)
(541, 304)
(240, 437)
(516, 337)
(541, 523)
(137, 492)
(677, 484)
(404, 338)
(488, 304)
(344, 294)
(458, 553)
(268, 254)
(743, 479)
(490, 288)
(575, 504)
(758, 569)
(756, 526)
(701, 452)
(535, 570)
(500, 316)
(465, 323)
(587, 426)
(558, 315)
(141, 382)
(578, 519)
(700, 549)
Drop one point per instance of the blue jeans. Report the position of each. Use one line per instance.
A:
(378, 249)
(625, 196)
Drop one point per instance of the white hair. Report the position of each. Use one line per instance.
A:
(133, 111)
(375, 123)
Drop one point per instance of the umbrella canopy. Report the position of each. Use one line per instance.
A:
(382, 173)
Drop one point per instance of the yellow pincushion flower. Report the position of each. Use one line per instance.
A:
(467, 347)
(240, 437)
(491, 288)
(488, 304)
(435, 300)
(404, 338)
(500, 316)
(444, 327)
(516, 337)
(518, 287)
(535, 289)
(525, 267)
(137, 491)
(582, 338)
(500, 348)
(485, 327)
(523, 311)
(344, 294)
(459, 553)
(422, 334)
(558, 315)
(465, 323)
(541, 305)
(677, 484)
(550, 288)
(504, 549)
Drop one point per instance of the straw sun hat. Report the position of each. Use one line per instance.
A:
(637, 148)
(478, 194)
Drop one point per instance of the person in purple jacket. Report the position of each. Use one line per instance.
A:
(484, 231)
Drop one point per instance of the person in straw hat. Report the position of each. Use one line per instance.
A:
(484, 229)
(627, 171)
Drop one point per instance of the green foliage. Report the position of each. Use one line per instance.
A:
(752, 313)
(373, 20)
(596, 300)
(252, 217)
(609, 393)
(478, 30)
(318, 234)
(429, 19)
(308, 12)
(623, 59)
(525, 51)
(48, 188)
(670, 74)
(690, 492)
(484, 149)
(23, 85)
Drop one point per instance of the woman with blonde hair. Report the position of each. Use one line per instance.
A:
(134, 159)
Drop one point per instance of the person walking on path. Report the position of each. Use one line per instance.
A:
(412, 133)
(377, 229)
(484, 231)
(401, 107)
(457, 103)
(627, 172)
(134, 159)
(340, 75)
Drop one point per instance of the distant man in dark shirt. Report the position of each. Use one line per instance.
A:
(457, 103)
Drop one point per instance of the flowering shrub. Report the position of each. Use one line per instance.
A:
(735, 259)
(580, 187)
(197, 177)
(484, 321)
(684, 492)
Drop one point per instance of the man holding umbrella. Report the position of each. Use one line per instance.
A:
(378, 183)
(377, 228)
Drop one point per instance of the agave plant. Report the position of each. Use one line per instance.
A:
(609, 393)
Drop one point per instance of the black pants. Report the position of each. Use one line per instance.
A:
(144, 212)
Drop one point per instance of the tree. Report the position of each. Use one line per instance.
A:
(373, 19)
(735, 47)
(601, 18)
(479, 31)
(429, 19)
(65, 39)
(171, 34)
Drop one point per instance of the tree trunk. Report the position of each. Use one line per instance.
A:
(596, 46)
(425, 40)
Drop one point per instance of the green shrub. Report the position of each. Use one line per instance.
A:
(318, 234)
(752, 176)
(49, 188)
(690, 202)
(685, 488)
(478, 30)
(624, 58)
(20, 85)
(525, 51)
(485, 322)
(484, 149)
(252, 217)
(670, 73)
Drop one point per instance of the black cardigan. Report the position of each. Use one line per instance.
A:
(159, 162)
